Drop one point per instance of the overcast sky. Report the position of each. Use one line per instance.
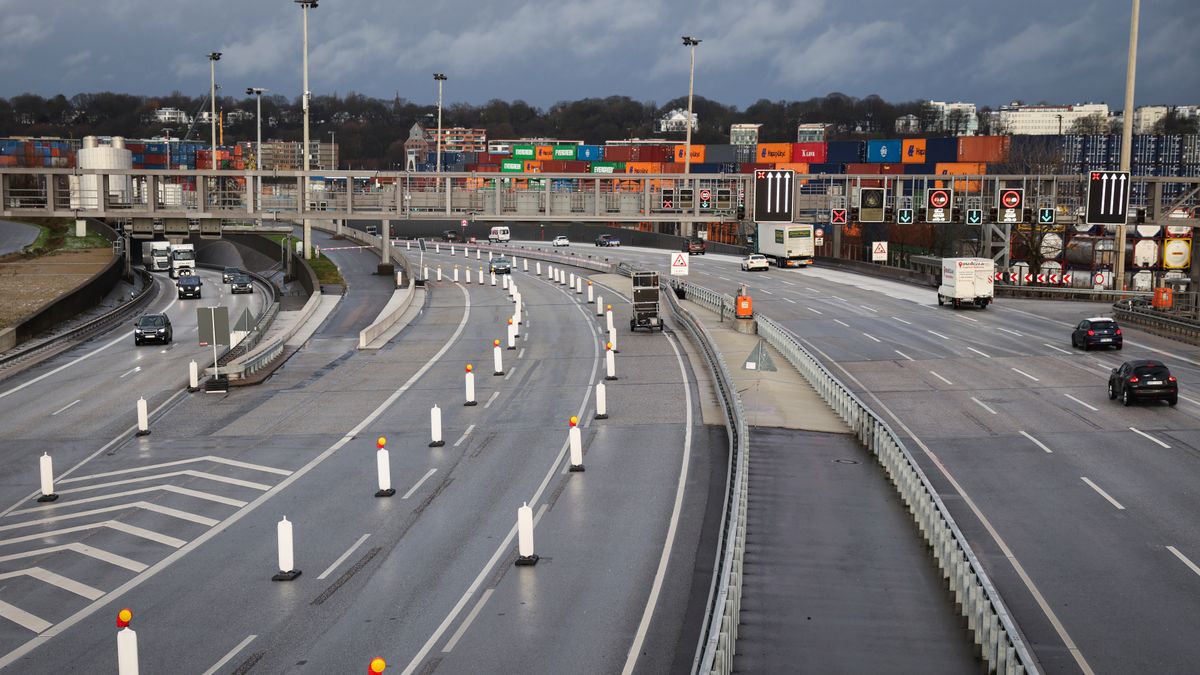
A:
(1061, 51)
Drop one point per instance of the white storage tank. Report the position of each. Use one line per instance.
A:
(85, 189)
(1145, 253)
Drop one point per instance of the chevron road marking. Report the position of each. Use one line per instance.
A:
(206, 458)
(155, 488)
(110, 524)
(48, 577)
(82, 549)
(172, 474)
(22, 618)
(146, 506)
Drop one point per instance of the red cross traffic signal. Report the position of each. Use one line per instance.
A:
(838, 217)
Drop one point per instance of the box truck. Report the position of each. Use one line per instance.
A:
(156, 256)
(787, 244)
(967, 281)
(183, 257)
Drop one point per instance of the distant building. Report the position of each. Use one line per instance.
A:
(416, 148)
(1145, 117)
(812, 133)
(288, 155)
(960, 119)
(171, 116)
(677, 121)
(1043, 120)
(460, 139)
(1187, 112)
(744, 134)
(238, 116)
(908, 124)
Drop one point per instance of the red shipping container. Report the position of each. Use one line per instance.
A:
(810, 153)
(891, 168)
(852, 169)
(618, 153)
(155, 159)
(751, 167)
(987, 149)
(656, 153)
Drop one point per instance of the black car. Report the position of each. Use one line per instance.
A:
(607, 240)
(229, 273)
(241, 284)
(189, 286)
(152, 327)
(500, 265)
(1099, 331)
(1143, 381)
(451, 235)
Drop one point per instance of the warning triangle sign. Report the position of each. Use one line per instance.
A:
(880, 248)
(679, 261)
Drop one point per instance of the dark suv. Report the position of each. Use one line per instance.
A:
(694, 247)
(1143, 381)
(189, 286)
(156, 327)
(451, 235)
(1099, 331)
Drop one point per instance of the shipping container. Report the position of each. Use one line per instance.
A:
(543, 152)
(564, 152)
(845, 152)
(743, 153)
(913, 151)
(941, 150)
(751, 167)
(773, 153)
(961, 168)
(810, 153)
(533, 166)
(589, 153)
(524, 152)
(697, 152)
(920, 169)
(827, 168)
(608, 167)
(618, 153)
(643, 167)
(891, 168)
(655, 153)
(799, 167)
(988, 149)
(860, 168)
(707, 168)
(1191, 149)
(512, 166)
(883, 151)
(564, 166)
(721, 154)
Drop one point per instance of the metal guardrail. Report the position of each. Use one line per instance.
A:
(1157, 321)
(1002, 645)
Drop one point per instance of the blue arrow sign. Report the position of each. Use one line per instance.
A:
(904, 216)
(974, 216)
(1045, 216)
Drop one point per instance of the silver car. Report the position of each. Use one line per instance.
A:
(755, 261)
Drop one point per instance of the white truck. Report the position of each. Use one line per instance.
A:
(183, 257)
(156, 256)
(967, 281)
(787, 244)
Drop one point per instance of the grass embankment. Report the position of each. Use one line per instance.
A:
(326, 271)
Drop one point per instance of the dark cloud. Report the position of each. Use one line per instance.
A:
(543, 52)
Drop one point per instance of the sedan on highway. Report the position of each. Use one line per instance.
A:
(152, 327)
(1143, 381)
(229, 273)
(561, 241)
(755, 261)
(1100, 331)
(241, 283)
(500, 265)
(607, 240)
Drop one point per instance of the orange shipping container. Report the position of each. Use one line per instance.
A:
(533, 167)
(800, 168)
(774, 153)
(913, 151)
(697, 154)
(544, 152)
(961, 169)
(643, 167)
(989, 149)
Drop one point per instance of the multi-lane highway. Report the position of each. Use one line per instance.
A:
(180, 525)
(1080, 508)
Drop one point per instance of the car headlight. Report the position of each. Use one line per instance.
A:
(162, 330)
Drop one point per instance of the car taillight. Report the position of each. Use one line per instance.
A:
(1118, 331)
(1133, 379)
(1171, 378)
(1091, 333)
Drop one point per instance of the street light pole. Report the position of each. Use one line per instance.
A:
(691, 42)
(257, 92)
(305, 5)
(1059, 116)
(440, 79)
(213, 57)
(1127, 132)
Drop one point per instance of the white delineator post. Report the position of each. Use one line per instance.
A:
(610, 362)
(504, 283)
(439, 273)
(493, 275)
(46, 474)
(512, 334)
(537, 267)
(470, 382)
(525, 554)
(601, 401)
(435, 427)
(572, 281)
(608, 320)
(578, 285)
(287, 564)
(612, 338)
(127, 645)
(425, 271)
(451, 250)
(599, 305)
(481, 281)
(517, 312)
(497, 358)
(383, 467)
(591, 292)
(456, 274)
(478, 254)
(193, 376)
(437, 247)
(489, 255)
(143, 418)
(576, 442)
(525, 265)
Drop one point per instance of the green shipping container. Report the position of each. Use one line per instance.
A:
(513, 165)
(608, 167)
(564, 152)
(524, 152)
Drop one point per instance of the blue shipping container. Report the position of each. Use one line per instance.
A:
(883, 151)
(941, 150)
(589, 153)
(850, 152)
(830, 168)
(920, 169)
(707, 168)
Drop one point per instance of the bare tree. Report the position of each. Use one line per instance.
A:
(1092, 124)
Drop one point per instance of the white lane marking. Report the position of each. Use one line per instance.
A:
(869, 309)
(941, 378)
(1083, 403)
(1142, 433)
(1037, 442)
(837, 298)
(983, 519)
(967, 318)
(487, 405)
(466, 433)
(1190, 400)
(814, 311)
(907, 323)
(790, 300)
(124, 588)
(905, 355)
(229, 657)
(537, 518)
(419, 483)
(1172, 355)
(766, 291)
(841, 322)
(1055, 348)
(872, 337)
(64, 366)
(786, 282)
(723, 278)
(147, 506)
(22, 618)
(521, 353)
(1191, 565)
(1013, 332)
(936, 333)
(635, 649)
(82, 549)
(342, 558)
(220, 499)
(507, 375)
(172, 474)
(1025, 374)
(1102, 493)
(65, 407)
(979, 352)
(55, 579)
(984, 405)
(132, 530)
(483, 598)
(194, 460)
(810, 288)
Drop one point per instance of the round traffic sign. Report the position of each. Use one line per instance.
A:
(939, 199)
(1011, 199)
(705, 194)
(464, 222)
(1099, 278)
(820, 232)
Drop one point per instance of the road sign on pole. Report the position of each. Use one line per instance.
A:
(1045, 216)
(904, 216)
(1010, 203)
(939, 205)
(679, 264)
(773, 195)
(706, 198)
(871, 204)
(1108, 197)
(838, 217)
(974, 216)
(879, 251)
